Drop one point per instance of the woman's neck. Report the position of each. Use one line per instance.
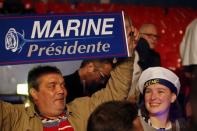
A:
(160, 121)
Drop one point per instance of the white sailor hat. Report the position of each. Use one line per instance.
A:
(159, 75)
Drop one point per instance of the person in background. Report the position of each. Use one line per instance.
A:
(145, 56)
(91, 77)
(159, 88)
(188, 46)
(115, 116)
(188, 54)
(148, 57)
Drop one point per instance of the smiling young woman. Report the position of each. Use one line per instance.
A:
(159, 88)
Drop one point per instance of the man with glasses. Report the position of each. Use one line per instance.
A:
(149, 33)
(145, 56)
(148, 57)
(91, 77)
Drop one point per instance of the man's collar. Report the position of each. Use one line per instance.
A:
(31, 110)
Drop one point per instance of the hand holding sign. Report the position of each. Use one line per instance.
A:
(132, 34)
(47, 38)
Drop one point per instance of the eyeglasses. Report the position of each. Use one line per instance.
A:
(151, 35)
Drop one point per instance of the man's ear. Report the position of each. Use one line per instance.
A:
(33, 92)
(173, 98)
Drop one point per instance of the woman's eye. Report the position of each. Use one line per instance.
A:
(147, 91)
(161, 91)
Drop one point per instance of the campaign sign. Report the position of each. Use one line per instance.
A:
(61, 37)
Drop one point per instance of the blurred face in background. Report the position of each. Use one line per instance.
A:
(98, 73)
(149, 32)
(158, 99)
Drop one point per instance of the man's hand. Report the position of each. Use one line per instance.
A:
(132, 37)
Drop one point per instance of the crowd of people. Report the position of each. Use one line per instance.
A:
(136, 94)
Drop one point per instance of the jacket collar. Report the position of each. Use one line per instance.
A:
(31, 111)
